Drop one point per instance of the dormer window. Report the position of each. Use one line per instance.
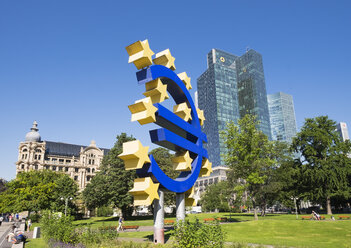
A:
(38, 150)
(25, 150)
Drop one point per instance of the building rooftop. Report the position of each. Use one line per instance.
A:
(64, 149)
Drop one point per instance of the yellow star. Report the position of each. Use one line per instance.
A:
(182, 111)
(134, 155)
(144, 191)
(165, 58)
(206, 168)
(190, 192)
(140, 54)
(189, 197)
(186, 80)
(200, 114)
(182, 162)
(143, 111)
(156, 90)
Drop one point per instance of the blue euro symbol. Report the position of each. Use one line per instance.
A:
(175, 134)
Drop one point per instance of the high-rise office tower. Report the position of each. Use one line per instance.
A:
(231, 87)
(252, 89)
(282, 116)
(342, 129)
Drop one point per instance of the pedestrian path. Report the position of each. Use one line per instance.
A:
(4, 230)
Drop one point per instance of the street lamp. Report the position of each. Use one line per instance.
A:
(66, 203)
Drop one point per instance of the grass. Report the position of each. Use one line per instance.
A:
(291, 232)
(274, 229)
(36, 243)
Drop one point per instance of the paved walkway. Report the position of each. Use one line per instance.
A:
(4, 230)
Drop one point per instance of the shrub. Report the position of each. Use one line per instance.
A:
(58, 227)
(195, 234)
(90, 236)
(35, 217)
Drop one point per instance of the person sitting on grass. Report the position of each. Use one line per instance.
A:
(316, 216)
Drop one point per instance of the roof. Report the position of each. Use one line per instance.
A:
(64, 149)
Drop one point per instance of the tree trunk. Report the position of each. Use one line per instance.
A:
(255, 210)
(298, 206)
(329, 211)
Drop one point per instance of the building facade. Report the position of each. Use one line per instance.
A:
(218, 174)
(343, 131)
(79, 162)
(231, 87)
(282, 116)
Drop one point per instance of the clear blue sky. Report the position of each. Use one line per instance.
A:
(64, 64)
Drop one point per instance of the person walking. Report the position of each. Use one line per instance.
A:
(29, 224)
(1, 219)
(120, 221)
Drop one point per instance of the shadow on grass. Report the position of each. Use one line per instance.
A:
(146, 217)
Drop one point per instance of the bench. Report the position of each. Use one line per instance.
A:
(343, 217)
(209, 220)
(169, 222)
(222, 219)
(130, 227)
(306, 217)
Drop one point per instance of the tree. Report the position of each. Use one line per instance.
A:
(3, 183)
(35, 191)
(249, 157)
(164, 161)
(324, 160)
(216, 197)
(111, 184)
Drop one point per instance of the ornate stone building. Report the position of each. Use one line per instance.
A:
(79, 162)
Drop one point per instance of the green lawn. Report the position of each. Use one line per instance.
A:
(35, 243)
(274, 229)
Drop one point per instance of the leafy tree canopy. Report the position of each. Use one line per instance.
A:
(111, 184)
(37, 190)
(216, 197)
(251, 158)
(325, 163)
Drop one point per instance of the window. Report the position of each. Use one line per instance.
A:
(38, 150)
(60, 168)
(88, 170)
(35, 167)
(47, 167)
(76, 169)
(75, 178)
(24, 150)
(61, 161)
(26, 156)
(39, 157)
(54, 168)
(54, 160)
(66, 169)
(35, 156)
(22, 156)
(92, 161)
(93, 170)
(22, 166)
(88, 178)
(68, 161)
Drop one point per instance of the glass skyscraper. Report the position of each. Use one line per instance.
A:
(231, 87)
(282, 116)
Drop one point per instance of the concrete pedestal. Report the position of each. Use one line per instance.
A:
(180, 203)
(159, 216)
